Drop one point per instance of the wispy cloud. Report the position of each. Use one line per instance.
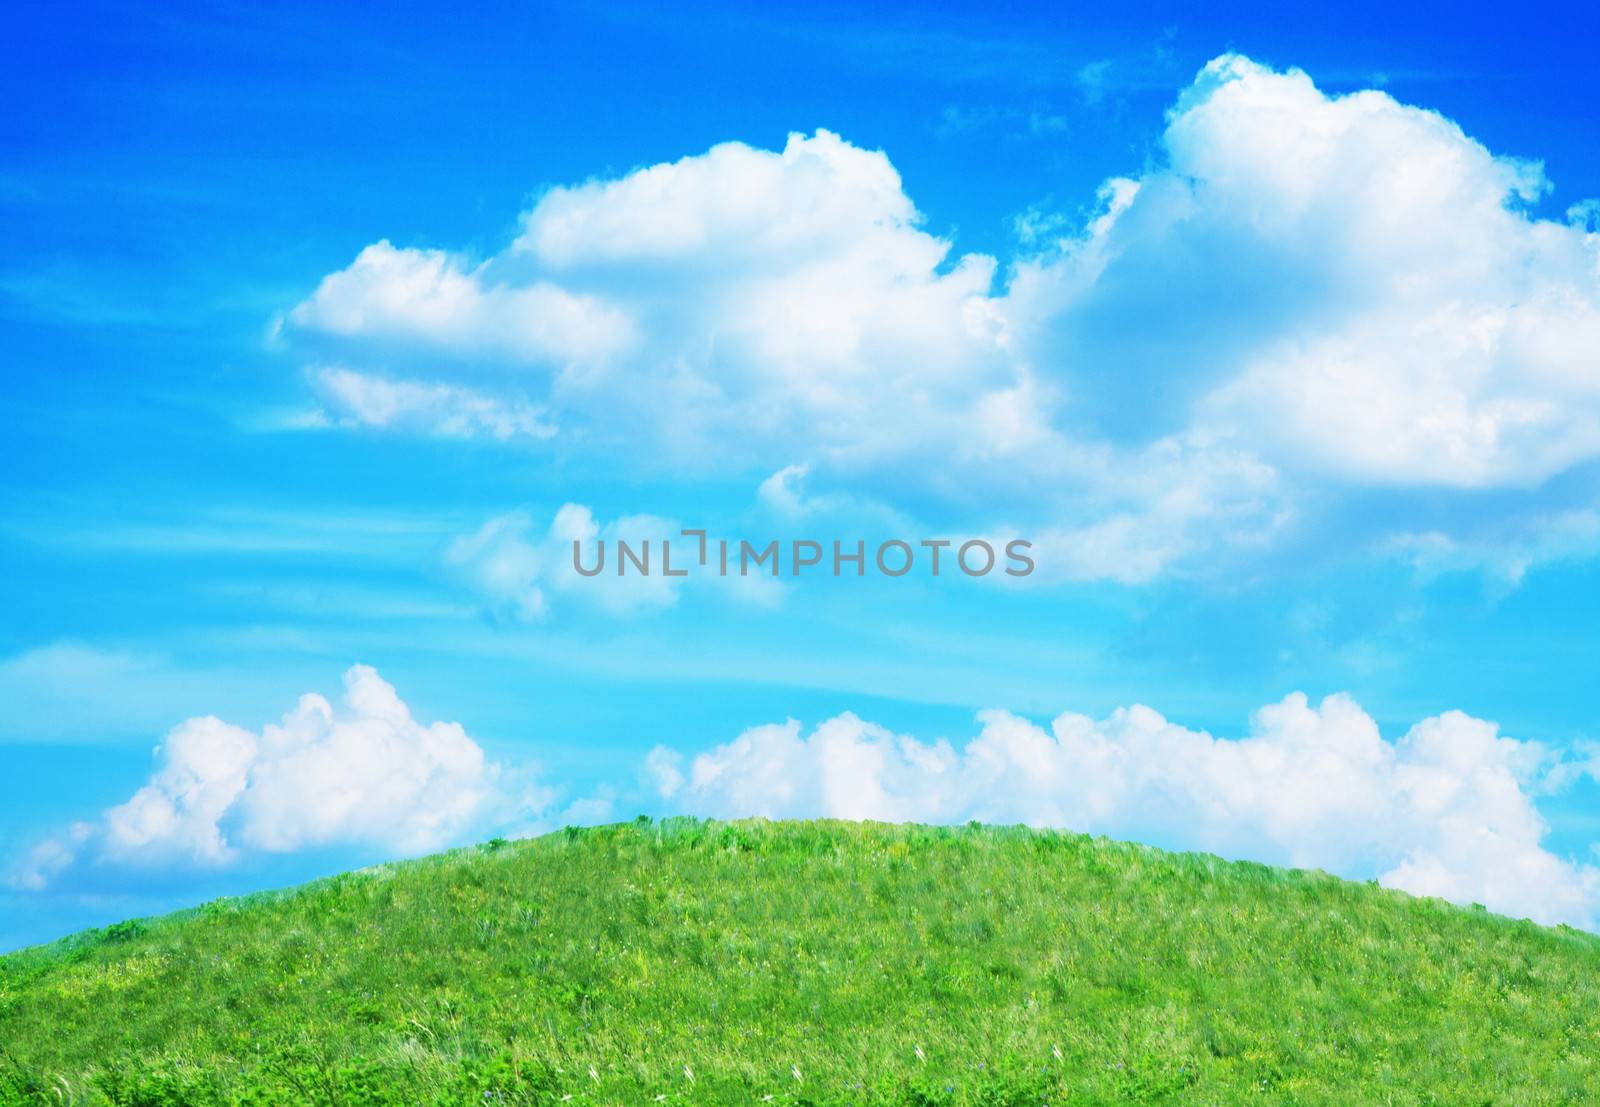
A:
(366, 534)
(362, 399)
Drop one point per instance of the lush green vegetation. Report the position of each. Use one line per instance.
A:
(690, 962)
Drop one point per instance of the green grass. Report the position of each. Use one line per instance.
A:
(809, 963)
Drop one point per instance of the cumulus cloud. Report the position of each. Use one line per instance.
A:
(1304, 299)
(722, 306)
(738, 206)
(364, 773)
(435, 298)
(1447, 810)
(1348, 284)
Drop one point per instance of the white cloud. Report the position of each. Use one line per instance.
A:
(1446, 810)
(737, 205)
(433, 297)
(1346, 285)
(784, 492)
(731, 303)
(517, 569)
(430, 408)
(1164, 504)
(364, 773)
(1509, 550)
(786, 501)
(523, 573)
(1307, 298)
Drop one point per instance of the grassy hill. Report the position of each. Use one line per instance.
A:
(839, 963)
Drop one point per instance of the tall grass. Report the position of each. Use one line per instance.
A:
(838, 963)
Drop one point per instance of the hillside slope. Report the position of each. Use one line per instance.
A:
(689, 962)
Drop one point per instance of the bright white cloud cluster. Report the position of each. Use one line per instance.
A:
(1349, 285)
(364, 773)
(1306, 296)
(729, 305)
(1447, 810)
(738, 206)
(434, 298)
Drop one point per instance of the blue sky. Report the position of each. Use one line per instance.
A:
(314, 322)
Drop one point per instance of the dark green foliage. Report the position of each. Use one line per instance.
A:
(825, 964)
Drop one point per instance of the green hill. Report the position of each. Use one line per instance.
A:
(840, 963)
